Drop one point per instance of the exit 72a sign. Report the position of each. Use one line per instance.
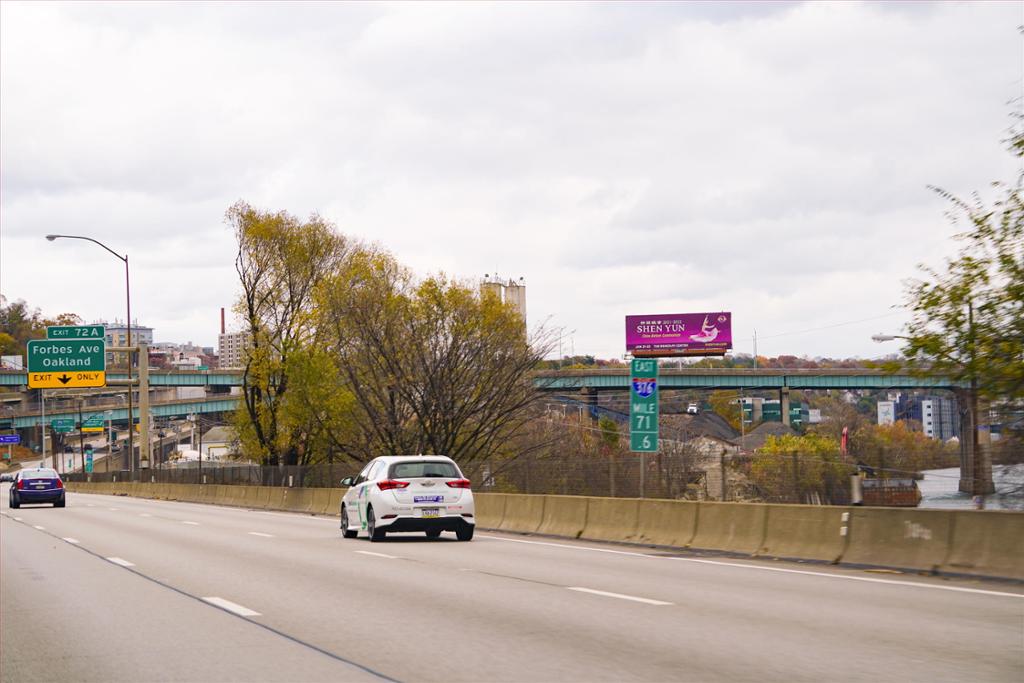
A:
(75, 332)
(643, 406)
(66, 363)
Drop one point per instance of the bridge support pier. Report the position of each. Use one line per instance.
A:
(588, 395)
(975, 455)
(783, 405)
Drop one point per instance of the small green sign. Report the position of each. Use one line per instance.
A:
(643, 406)
(64, 355)
(94, 423)
(62, 424)
(76, 332)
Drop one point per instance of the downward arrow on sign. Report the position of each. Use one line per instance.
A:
(64, 379)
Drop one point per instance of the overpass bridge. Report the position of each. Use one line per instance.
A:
(611, 379)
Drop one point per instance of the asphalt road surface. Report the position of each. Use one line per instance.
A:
(121, 589)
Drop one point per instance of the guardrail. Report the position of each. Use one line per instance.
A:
(981, 543)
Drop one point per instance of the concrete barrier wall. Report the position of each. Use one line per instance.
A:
(979, 543)
(612, 519)
(490, 508)
(732, 527)
(666, 522)
(906, 538)
(987, 543)
(523, 513)
(564, 516)
(805, 532)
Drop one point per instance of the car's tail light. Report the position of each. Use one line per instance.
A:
(459, 484)
(21, 484)
(389, 484)
(60, 484)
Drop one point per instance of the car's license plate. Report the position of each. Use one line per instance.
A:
(430, 512)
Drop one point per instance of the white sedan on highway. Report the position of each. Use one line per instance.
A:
(408, 493)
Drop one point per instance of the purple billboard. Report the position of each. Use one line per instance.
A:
(681, 334)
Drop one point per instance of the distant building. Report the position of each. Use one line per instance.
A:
(511, 292)
(116, 334)
(938, 416)
(886, 412)
(232, 348)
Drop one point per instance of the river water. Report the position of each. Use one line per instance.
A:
(939, 489)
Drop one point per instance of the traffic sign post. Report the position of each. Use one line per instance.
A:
(66, 363)
(62, 425)
(76, 332)
(643, 406)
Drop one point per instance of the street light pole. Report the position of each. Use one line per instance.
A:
(128, 300)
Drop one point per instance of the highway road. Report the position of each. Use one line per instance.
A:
(121, 589)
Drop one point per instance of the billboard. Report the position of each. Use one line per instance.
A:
(681, 334)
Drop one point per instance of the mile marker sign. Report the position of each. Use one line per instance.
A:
(643, 406)
(66, 363)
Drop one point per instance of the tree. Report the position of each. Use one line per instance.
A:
(791, 467)
(19, 324)
(433, 366)
(281, 263)
(968, 320)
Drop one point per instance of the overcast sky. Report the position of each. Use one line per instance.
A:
(765, 159)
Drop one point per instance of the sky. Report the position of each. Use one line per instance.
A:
(768, 159)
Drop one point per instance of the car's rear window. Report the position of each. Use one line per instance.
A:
(427, 468)
(39, 474)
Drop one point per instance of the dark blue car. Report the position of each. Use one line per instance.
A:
(38, 485)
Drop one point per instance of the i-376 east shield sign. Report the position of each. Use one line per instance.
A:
(643, 406)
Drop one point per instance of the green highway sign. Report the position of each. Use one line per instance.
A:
(643, 406)
(66, 363)
(94, 423)
(76, 332)
(62, 424)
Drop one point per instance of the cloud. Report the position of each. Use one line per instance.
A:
(765, 158)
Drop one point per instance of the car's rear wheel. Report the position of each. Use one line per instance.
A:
(59, 503)
(345, 531)
(465, 533)
(14, 502)
(371, 526)
(434, 533)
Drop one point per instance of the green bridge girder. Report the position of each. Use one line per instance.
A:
(616, 379)
(172, 409)
(858, 378)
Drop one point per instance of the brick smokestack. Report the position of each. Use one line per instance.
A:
(222, 320)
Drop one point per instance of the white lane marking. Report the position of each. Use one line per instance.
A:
(260, 533)
(145, 514)
(191, 523)
(847, 577)
(367, 552)
(90, 505)
(41, 528)
(620, 596)
(17, 519)
(71, 540)
(119, 561)
(232, 607)
(113, 509)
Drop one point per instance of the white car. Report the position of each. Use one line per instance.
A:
(408, 493)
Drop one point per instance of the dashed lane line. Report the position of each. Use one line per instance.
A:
(120, 562)
(232, 607)
(756, 567)
(72, 541)
(261, 534)
(367, 552)
(620, 596)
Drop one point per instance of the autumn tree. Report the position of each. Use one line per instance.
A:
(968, 319)
(800, 468)
(281, 263)
(434, 367)
(19, 323)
